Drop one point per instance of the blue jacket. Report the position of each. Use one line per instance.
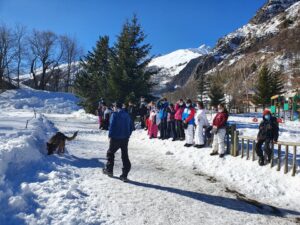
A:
(120, 125)
(162, 113)
(188, 115)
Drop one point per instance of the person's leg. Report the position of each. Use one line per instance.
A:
(114, 145)
(197, 139)
(221, 141)
(125, 159)
(190, 134)
(215, 145)
(173, 131)
(169, 129)
(258, 148)
(142, 120)
(268, 149)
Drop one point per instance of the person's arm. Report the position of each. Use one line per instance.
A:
(276, 130)
(191, 116)
(111, 125)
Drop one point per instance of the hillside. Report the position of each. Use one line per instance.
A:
(271, 37)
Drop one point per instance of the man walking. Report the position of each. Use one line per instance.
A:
(120, 130)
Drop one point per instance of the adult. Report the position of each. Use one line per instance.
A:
(201, 121)
(100, 114)
(171, 132)
(153, 121)
(119, 133)
(219, 131)
(188, 123)
(143, 113)
(179, 108)
(268, 133)
(132, 111)
(162, 105)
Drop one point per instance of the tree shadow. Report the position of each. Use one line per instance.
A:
(240, 204)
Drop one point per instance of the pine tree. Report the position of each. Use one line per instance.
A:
(91, 82)
(129, 79)
(216, 94)
(202, 87)
(276, 84)
(263, 91)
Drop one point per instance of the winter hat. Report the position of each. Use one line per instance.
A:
(189, 101)
(266, 111)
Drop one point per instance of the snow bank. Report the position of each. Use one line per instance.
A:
(20, 149)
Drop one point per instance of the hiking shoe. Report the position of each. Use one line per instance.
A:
(261, 161)
(174, 139)
(106, 172)
(214, 153)
(123, 178)
(221, 155)
(188, 145)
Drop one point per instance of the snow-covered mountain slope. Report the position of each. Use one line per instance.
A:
(171, 64)
(272, 34)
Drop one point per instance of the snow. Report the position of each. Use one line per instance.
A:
(171, 64)
(170, 184)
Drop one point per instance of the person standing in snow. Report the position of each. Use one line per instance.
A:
(171, 132)
(132, 111)
(100, 114)
(179, 108)
(153, 121)
(219, 131)
(119, 133)
(162, 105)
(143, 113)
(188, 123)
(268, 133)
(200, 122)
(106, 117)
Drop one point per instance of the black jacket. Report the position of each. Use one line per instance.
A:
(268, 129)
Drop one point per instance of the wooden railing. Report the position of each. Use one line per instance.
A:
(240, 145)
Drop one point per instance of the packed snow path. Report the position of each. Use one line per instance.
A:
(162, 189)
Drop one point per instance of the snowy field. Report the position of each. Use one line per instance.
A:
(169, 184)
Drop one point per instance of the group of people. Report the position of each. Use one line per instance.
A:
(186, 121)
(182, 121)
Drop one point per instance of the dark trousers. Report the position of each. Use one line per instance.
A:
(267, 148)
(171, 132)
(114, 146)
(163, 128)
(143, 121)
(179, 128)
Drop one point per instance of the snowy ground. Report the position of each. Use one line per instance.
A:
(169, 184)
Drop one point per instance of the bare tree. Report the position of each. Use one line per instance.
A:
(6, 53)
(71, 54)
(44, 56)
(20, 48)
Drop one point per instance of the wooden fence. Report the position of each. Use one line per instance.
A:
(244, 146)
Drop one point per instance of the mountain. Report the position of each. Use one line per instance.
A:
(170, 65)
(271, 37)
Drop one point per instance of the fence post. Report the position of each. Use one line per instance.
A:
(286, 159)
(279, 158)
(253, 150)
(242, 154)
(248, 143)
(294, 161)
(232, 130)
(236, 143)
(272, 156)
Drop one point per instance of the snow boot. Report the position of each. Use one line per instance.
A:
(221, 155)
(123, 178)
(188, 145)
(261, 161)
(108, 173)
(214, 153)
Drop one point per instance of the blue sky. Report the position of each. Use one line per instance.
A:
(170, 25)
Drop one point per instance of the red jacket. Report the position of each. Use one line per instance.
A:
(220, 120)
(179, 111)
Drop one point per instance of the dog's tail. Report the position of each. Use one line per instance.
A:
(73, 137)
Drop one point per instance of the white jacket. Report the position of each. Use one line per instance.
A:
(200, 118)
